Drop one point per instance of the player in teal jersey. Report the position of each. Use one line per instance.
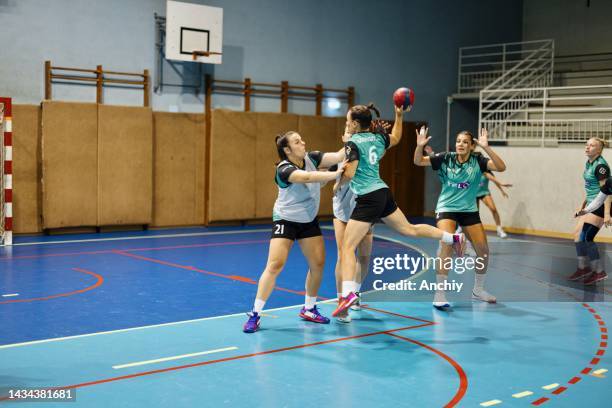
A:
(596, 171)
(295, 219)
(460, 173)
(374, 199)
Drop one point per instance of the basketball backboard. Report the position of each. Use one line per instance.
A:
(194, 28)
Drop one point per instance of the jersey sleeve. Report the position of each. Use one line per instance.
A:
(316, 157)
(607, 188)
(602, 172)
(282, 174)
(386, 139)
(437, 160)
(351, 151)
(483, 162)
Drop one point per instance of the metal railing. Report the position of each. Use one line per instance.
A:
(482, 65)
(548, 115)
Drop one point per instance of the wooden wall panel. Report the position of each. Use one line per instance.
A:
(27, 195)
(178, 193)
(69, 164)
(125, 170)
(232, 166)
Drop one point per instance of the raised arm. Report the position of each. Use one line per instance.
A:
(396, 133)
(422, 140)
(495, 162)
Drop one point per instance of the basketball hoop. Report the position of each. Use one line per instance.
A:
(197, 54)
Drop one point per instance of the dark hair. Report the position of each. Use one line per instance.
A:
(362, 115)
(467, 133)
(282, 141)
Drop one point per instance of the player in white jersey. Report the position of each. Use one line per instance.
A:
(295, 218)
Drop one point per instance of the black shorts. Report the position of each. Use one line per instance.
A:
(600, 211)
(373, 206)
(296, 230)
(464, 219)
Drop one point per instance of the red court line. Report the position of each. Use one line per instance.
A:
(397, 314)
(463, 381)
(110, 251)
(559, 390)
(593, 362)
(99, 281)
(222, 360)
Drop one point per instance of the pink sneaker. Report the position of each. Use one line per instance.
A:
(345, 303)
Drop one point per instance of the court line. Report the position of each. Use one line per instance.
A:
(10, 295)
(129, 329)
(35, 342)
(193, 234)
(221, 360)
(463, 381)
(99, 281)
(164, 359)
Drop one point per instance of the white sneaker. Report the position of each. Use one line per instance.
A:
(483, 295)
(440, 301)
(501, 233)
(344, 317)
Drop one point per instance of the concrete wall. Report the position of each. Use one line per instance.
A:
(575, 27)
(548, 187)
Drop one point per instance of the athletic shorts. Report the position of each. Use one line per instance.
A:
(600, 211)
(295, 230)
(464, 219)
(373, 206)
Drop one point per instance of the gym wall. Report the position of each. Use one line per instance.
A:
(548, 187)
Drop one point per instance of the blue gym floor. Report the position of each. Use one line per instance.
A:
(97, 313)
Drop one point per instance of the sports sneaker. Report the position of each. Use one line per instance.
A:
(313, 315)
(596, 277)
(484, 296)
(252, 325)
(344, 317)
(580, 274)
(357, 305)
(501, 233)
(440, 301)
(459, 244)
(345, 303)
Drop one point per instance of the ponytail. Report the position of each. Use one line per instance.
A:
(362, 115)
(282, 141)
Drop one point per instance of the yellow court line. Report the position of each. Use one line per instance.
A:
(522, 394)
(268, 315)
(550, 386)
(490, 403)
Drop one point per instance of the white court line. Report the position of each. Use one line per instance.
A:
(550, 386)
(194, 234)
(522, 394)
(56, 339)
(161, 360)
(600, 371)
(490, 403)
(10, 295)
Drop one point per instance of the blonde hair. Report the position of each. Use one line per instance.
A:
(604, 143)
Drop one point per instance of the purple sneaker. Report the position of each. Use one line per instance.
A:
(252, 325)
(313, 315)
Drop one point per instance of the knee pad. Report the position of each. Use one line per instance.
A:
(588, 232)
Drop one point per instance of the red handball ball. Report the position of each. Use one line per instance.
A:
(403, 97)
